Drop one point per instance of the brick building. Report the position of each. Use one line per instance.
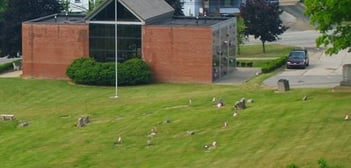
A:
(51, 43)
(178, 49)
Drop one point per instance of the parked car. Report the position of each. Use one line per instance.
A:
(298, 58)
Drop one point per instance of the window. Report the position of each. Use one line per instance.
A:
(102, 42)
(76, 1)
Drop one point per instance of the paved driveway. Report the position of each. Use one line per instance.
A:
(324, 71)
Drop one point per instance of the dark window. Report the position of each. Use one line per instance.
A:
(102, 42)
(102, 36)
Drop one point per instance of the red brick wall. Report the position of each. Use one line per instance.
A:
(178, 54)
(48, 49)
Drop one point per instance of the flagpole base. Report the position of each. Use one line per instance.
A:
(114, 97)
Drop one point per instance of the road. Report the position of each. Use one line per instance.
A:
(305, 39)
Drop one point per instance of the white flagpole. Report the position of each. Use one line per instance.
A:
(116, 53)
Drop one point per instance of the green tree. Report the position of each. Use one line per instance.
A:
(333, 19)
(177, 5)
(240, 36)
(262, 20)
(17, 12)
(3, 5)
(94, 4)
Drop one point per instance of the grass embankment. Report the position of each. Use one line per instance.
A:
(276, 130)
(253, 54)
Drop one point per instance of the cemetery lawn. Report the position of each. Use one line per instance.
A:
(277, 130)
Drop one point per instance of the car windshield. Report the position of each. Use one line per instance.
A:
(297, 54)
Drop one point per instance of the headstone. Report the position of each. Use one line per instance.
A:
(347, 116)
(225, 124)
(80, 122)
(86, 120)
(214, 144)
(23, 124)
(220, 103)
(250, 101)
(283, 85)
(346, 75)
(240, 105)
(190, 133)
(214, 99)
(119, 140)
(304, 98)
(7, 117)
(152, 134)
(243, 102)
(154, 130)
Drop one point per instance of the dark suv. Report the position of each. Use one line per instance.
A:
(298, 58)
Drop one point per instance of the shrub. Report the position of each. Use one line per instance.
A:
(5, 67)
(8, 66)
(133, 72)
(293, 165)
(274, 64)
(88, 71)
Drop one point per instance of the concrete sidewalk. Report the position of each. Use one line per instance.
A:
(239, 76)
(12, 74)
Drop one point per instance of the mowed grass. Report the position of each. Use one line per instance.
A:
(272, 51)
(276, 130)
(253, 54)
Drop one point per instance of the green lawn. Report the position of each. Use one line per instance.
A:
(276, 130)
(272, 51)
(253, 54)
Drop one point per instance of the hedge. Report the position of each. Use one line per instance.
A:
(8, 66)
(274, 64)
(87, 71)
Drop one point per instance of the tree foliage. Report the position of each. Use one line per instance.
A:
(240, 36)
(3, 5)
(333, 19)
(18, 11)
(177, 5)
(262, 20)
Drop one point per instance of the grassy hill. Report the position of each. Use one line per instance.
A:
(276, 130)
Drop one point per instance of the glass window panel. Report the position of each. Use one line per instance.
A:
(102, 42)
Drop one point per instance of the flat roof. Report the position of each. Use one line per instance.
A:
(203, 21)
(60, 19)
